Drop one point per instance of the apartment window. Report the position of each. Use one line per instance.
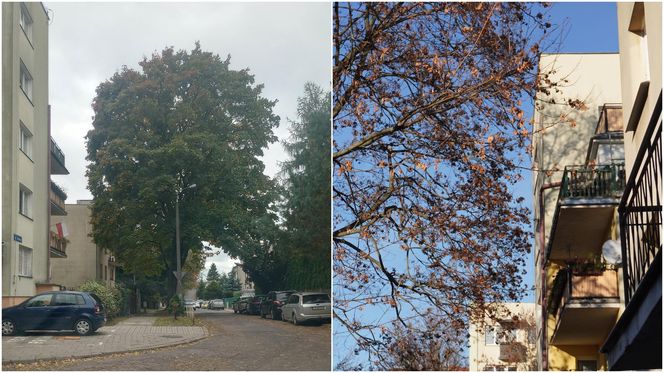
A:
(586, 365)
(26, 22)
(26, 81)
(498, 335)
(25, 142)
(25, 201)
(25, 261)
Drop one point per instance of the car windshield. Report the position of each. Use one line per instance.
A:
(316, 298)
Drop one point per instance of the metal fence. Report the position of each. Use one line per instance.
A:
(641, 209)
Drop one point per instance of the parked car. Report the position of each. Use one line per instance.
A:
(241, 305)
(272, 303)
(81, 312)
(190, 303)
(301, 307)
(204, 304)
(254, 306)
(216, 304)
(199, 303)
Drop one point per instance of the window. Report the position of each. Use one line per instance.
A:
(26, 22)
(64, 299)
(25, 201)
(25, 142)
(42, 300)
(490, 336)
(499, 335)
(586, 365)
(26, 81)
(25, 261)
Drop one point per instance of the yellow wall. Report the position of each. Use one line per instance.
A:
(564, 357)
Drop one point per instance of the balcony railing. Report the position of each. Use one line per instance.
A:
(513, 352)
(640, 209)
(57, 243)
(602, 181)
(568, 286)
(57, 197)
(610, 119)
(57, 152)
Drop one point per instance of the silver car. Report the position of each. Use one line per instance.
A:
(216, 304)
(301, 307)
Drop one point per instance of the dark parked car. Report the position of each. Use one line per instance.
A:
(254, 307)
(57, 310)
(273, 302)
(240, 306)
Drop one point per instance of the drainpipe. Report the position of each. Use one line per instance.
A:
(545, 320)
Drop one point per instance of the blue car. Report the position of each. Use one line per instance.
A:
(55, 311)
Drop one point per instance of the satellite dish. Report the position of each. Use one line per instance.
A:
(611, 252)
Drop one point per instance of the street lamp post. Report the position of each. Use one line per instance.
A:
(178, 273)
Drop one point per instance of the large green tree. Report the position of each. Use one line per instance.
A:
(184, 126)
(306, 239)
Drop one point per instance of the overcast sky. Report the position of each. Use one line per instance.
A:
(283, 44)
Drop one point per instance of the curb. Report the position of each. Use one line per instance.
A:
(101, 354)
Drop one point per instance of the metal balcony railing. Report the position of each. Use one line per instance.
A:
(602, 181)
(57, 243)
(57, 152)
(640, 209)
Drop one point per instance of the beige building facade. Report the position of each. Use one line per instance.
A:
(578, 155)
(508, 344)
(85, 261)
(635, 343)
(246, 286)
(28, 154)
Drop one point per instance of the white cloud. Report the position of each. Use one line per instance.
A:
(283, 44)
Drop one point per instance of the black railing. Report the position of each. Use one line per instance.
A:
(57, 152)
(602, 181)
(641, 209)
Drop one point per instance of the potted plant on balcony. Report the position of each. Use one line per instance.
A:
(590, 266)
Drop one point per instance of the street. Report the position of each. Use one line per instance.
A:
(236, 342)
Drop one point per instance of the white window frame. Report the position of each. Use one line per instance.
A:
(25, 21)
(25, 201)
(25, 81)
(25, 140)
(24, 261)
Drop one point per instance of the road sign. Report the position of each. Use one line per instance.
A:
(179, 275)
(18, 238)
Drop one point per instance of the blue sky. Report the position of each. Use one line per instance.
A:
(586, 28)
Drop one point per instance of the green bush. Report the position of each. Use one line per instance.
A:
(176, 306)
(110, 296)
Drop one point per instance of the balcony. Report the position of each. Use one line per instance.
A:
(513, 352)
(57, 197)
(636, 339)
(585, 209)
(610, 119)
(57, 160)
(57, 245)
(586, 306)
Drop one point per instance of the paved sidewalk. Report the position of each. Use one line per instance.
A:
(132, 334)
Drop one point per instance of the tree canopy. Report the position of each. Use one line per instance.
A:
(306, 181)
(428, 126)
(184, 126)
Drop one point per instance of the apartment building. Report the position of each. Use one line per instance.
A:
(508, 344)
(29, 154)
(246, 286)
(85, 261)
(579, 156)
(636, 340)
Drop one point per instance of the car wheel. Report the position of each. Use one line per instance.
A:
(275, 315)
(8, 327)
(262, 314)
(83, 327)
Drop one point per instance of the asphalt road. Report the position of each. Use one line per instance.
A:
(236, 342)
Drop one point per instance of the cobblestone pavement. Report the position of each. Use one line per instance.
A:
(235, 342)
(136, 333)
